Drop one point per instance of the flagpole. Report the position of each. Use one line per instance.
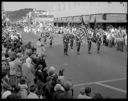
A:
(94, 35)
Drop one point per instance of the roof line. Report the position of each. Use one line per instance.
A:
(92, 14)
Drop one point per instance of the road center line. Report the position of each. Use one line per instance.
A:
(111, 87)
(103, 81)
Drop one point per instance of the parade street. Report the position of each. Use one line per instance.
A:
(64, 50)
(104, 72)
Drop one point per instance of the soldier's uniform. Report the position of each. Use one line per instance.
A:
(98, 41)
(51, 40)
(89, 39)
(66, 42)
(71, 40)
(78, 43)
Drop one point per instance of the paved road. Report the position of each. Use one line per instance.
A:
(84, 68)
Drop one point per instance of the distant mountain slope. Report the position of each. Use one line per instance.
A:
(18, 14)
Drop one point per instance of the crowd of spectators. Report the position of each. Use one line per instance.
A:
(25, 74)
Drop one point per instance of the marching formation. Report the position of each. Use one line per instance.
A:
(79, 36)
(83, 34)
(116, 37)
(25, 74)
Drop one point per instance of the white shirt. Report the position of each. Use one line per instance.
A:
(32, 96)
(83, 97)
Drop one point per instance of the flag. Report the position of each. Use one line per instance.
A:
(82, 20)
(94, 35)
(95, 24)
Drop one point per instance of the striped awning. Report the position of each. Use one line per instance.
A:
(77, 19)
(110, 18)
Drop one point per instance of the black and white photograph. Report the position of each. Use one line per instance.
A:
(63, 50)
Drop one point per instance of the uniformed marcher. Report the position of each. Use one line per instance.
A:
(89, 39)
(51, 40)
(79, 37)
(66, 42)
(78, 43)
(98, 41)
(71, 40)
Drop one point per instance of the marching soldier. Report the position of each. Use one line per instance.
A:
(51, 40)
(66, 42)
(78, 42)
(98, 41)
(71, 40)
(89, 38)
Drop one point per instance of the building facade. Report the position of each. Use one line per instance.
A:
(101, 18)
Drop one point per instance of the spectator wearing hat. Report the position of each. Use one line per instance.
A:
(28, 72)
(23, 88)
(32, 94)
(68, 94)
(59, 91)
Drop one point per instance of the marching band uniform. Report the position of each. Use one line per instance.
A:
(78, 43)
(51, 40)
(66, 42)
(98, 41)
(71, 40)
(89, 38)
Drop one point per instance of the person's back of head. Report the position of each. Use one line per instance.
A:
(98, 96)
(16, 89)
(32, 88)
(51, 70)
(13, 96)
(68, 85)
(22, 81)
(82, 91)
(87, 90)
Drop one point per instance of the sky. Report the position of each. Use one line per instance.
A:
(61, 9)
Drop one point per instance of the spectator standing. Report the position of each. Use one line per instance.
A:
(85, 93)
(59, 91)
(23, 88)
(68, 94)
(32, 94)
(28, 72)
